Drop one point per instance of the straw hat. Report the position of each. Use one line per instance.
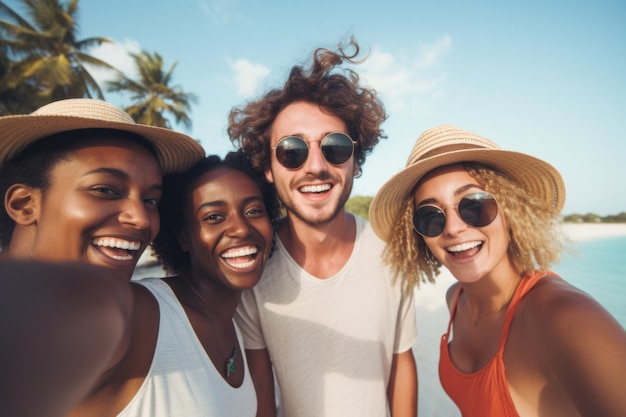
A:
(175, 151)
(445, 145)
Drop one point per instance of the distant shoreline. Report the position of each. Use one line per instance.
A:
(589, 231)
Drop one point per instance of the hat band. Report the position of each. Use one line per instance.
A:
(444, 149)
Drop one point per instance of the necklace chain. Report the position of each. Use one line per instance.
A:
(230, 360)
(508, 297)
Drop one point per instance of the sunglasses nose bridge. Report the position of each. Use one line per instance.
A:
(454, 223)
(316, 160)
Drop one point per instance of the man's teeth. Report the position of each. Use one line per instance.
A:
(315, 188)
(117, 243)
(464, 246)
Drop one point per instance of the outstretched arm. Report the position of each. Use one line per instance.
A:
(584, 350)
(61, 326)
(402, 388)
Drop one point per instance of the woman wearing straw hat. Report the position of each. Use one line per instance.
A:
(521, 340)
(81, 182)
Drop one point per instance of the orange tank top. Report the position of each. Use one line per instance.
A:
(484, 393)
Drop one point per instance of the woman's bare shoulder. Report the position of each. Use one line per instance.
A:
(559, 314)
(451, 293)
(577, 343)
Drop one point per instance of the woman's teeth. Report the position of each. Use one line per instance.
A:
(464, 246)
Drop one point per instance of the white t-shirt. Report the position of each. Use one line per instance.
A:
(331, 341)
(182, 380)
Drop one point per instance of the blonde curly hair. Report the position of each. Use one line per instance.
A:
(536, 243)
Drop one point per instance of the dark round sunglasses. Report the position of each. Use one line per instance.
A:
(477, 209)
(292, 151)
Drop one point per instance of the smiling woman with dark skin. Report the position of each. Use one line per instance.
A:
(216, 234)
(81, 183)
(98, 182)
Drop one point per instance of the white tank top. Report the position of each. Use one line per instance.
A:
(182, 380)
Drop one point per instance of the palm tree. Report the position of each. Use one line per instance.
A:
(44, 57)
(152, 94)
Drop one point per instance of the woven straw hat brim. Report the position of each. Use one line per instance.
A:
(175, 151)
(535, 175)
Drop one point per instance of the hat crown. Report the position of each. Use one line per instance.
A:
(87, 108)
(175, 151)
(443, 139)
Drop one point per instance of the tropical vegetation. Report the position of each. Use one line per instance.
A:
(42, 59)
(152, 94)
(359, 205)
(594, 218)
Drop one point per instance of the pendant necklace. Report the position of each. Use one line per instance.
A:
(230, 360)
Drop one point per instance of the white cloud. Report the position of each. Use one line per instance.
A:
(247, 76)
(219, 12)
(430, 55)
(403, 78)
(118, 56)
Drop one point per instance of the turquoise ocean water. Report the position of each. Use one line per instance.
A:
(600, 270)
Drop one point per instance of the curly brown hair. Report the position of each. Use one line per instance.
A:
(536, 237)
(335, 89)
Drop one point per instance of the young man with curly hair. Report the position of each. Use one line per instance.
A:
(326, 319)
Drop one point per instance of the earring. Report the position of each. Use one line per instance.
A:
(430, 258)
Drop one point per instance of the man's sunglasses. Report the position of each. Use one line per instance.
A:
(292, 151)
(477, 209)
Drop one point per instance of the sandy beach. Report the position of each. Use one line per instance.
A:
(588, 231)
(432, 320)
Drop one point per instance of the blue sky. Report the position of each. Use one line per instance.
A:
(541, 77)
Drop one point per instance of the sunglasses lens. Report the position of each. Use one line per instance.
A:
(291, 152)
(337, 148)
(478, 209)
(429, 221)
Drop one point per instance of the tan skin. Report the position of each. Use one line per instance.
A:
(104, 194)
(565, 354)
(320, 235)
(225, 214)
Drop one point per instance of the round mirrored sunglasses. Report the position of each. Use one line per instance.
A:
(478, 209)
(292, 151)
